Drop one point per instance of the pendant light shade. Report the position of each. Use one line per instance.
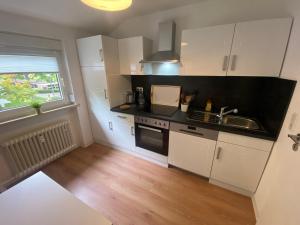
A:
(108, 5)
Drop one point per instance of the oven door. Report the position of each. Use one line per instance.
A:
(152, 138)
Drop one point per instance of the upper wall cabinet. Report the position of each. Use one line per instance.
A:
(131, 52)
(259, 47)
(254, 48)
(90, 51)
(206, 51)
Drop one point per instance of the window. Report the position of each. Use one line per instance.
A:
(28, 78)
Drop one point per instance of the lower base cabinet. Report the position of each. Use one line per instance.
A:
(102, 127)
(114, 129)
(239, 166)
(123, 131)
(191, 153)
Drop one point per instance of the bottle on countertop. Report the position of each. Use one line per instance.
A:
(208, 106)
(141, 98)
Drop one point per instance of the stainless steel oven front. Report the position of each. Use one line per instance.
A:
(152, 134)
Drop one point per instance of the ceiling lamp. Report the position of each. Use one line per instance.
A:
(108, 5)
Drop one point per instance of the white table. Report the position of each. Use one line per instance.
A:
(39, 200)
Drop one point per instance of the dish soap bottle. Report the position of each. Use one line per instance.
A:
(208, 105)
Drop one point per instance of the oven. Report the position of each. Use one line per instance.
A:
(152, 134)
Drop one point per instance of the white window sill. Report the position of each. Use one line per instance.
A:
(34, 115)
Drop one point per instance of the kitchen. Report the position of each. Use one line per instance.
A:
(208, 102)
(235, 111)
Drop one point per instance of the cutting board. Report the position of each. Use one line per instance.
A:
(165, 95)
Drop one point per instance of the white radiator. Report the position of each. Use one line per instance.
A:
(34, 150)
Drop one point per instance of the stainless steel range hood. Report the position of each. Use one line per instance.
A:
(166, 45)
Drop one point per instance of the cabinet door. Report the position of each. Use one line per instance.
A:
(205, 51)
(123, 128)
(90, 51)
(196, 157)
(259, 47)
(96, 93)
(95, 83)
(239, 166)
(130, 54)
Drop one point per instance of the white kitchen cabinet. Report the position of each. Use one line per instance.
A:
(205, 51)
(254, 48)
(259, 47)
(131, 51)
(95, 83)
(97, 96)
(90, 51)
(240, 164)
(104, 86)
(191, 152)
(123, 130)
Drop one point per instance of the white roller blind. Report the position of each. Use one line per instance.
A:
(27, 64)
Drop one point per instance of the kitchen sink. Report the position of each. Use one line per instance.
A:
(240, 122)
(201, 116)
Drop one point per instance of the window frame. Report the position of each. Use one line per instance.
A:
(62, 77)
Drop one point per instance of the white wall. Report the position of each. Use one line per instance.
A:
(265, 195)
(79, 117)
(214, 12)
(205, 13)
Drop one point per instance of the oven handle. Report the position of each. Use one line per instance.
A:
(149, 128)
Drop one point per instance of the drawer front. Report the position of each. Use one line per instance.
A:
(245, 141)
(195, 131)
(124, 117)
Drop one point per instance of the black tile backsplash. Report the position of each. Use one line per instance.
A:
(265, 98)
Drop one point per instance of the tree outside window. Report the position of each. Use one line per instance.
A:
(21, 89)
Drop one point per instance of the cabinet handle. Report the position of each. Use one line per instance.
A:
(105, 93)
(132, 131)
(219, 153)
(101, 55)
(122, 117)
(110, 125)
(149, 128)
(233, 62)
(191, 132)
(225, 63)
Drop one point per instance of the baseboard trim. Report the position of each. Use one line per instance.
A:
(231, 188)
(256, 212)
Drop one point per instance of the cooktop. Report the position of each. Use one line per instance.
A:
(162, 110)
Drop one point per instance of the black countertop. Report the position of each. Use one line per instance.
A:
(181, 117)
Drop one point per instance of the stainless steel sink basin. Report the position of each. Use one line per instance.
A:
(240, 122)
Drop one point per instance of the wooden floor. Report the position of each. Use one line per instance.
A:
(131, 191)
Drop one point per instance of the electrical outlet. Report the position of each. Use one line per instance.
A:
(140, 89)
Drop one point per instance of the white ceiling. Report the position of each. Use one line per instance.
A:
(75, 14)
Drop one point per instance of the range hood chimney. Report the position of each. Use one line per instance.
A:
(166, 45)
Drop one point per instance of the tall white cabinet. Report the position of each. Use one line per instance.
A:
(131, 51)
(104, 86)
(254, 48)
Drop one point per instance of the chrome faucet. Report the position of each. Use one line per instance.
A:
(223, 113)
